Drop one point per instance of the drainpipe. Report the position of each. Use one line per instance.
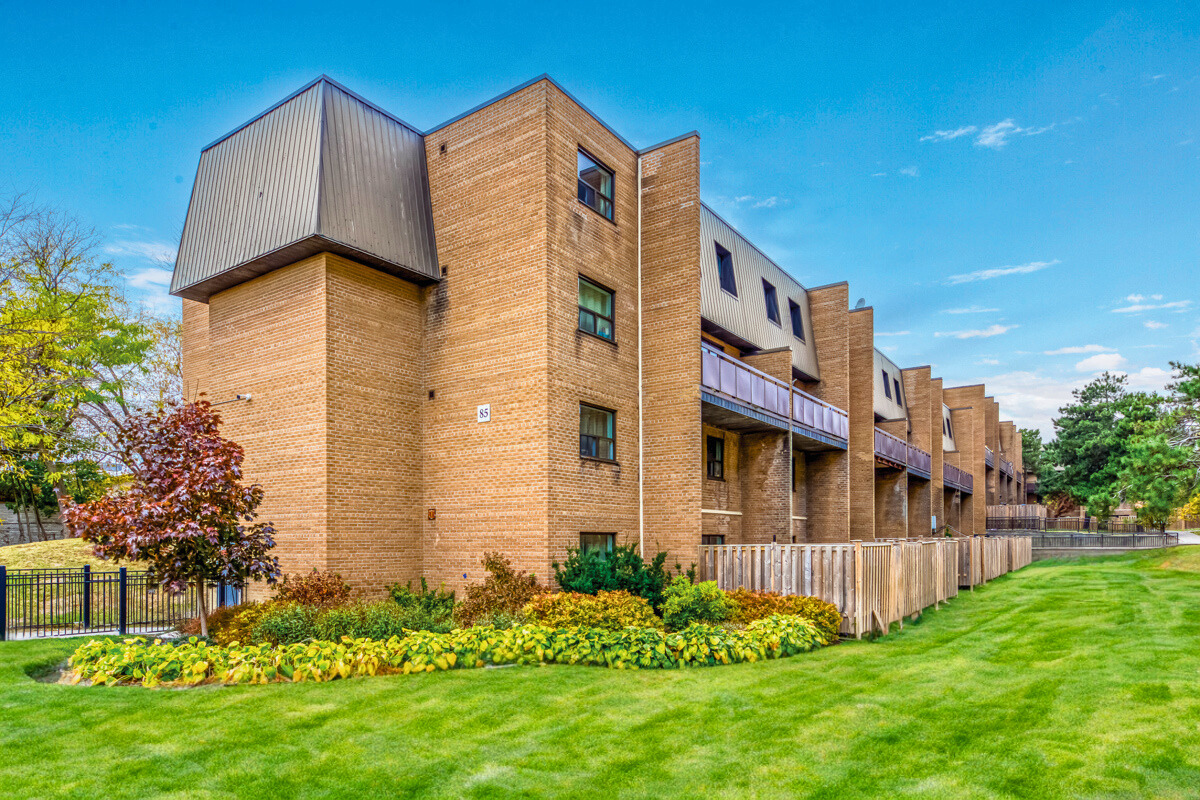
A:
(641, 440)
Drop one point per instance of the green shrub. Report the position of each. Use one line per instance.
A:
(686, 603)
(320, 589)
(611, 610)
(503, 592)
(286, 623)
(759, 605)
(620, 570)
(437, 604)
(108, 661)
(379, 621)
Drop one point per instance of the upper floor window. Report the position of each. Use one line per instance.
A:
(797, 319)
(899, 397)
(887, 385)
(595, 185)
(595, 309)
(949, 428)
(725, 270)
(716, 458)
(772, 301)
(596, 432)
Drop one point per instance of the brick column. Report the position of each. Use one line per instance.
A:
(827, 473)
(968, 416)
(862, 424)
(891, 504)
(917, 387)
(764, 471)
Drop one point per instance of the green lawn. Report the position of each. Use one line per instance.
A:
(55, 554)
(1074, 679)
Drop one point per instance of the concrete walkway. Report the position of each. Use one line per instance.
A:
(1189, 537)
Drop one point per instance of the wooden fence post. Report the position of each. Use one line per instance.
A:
(860, 617)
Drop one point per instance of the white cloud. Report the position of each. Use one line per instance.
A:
(912, 172)
(157, 252)
(893, 333)
(1079, 350)
(970, 310)
(760, 202)
(150, 278)
(879, 175)
(945, 136)
(888, 348)
(991, 361)
(1154, 325)
(997, 136)
(1030, 399)
(1101, 362)
(1137, 298)
(1000, 272)
(1136, 308)
(985, 333)
(1149, 379)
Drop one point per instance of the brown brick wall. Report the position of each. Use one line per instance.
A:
(862, 424)
(891, 503)
(918, 389)
(723, 495)
(827, 474)
(765, 473)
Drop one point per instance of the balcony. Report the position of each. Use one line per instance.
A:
(733, 385)
(955, 478)
(989, 458)
(898, 453)
(1006, 467)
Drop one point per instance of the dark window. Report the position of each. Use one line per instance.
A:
(949, 428)
(596, 438)
(712, 538)
(887, 386)
(797, 319)
(772, 302)
(596, 542)
(595, 309)
(716, 458)
(725, 270)
(899, 397)
(595, 185)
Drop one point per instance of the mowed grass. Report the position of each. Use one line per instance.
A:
(1066, 679)
(55, 554)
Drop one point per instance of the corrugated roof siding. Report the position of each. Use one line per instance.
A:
(745, 316)
(323, 170)
(887, 404)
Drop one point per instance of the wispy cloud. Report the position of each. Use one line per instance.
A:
(1154, 325)
(1079, 350)
(945, 136)
(912, 172)
(980, 333)
(157, 252)
(994, 136)
(1137, 298)
(760, 202)
(1000, 272)
(893, 333)
(150, 278)
(1178, 305)
(989, 361)
(878, 174)
(970, 310)
(1101, 362)
(997, 136)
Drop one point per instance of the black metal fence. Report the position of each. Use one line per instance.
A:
(1064, 540)
(1068, 524)
(69, 602)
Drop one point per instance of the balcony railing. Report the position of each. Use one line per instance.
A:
(890, 447)
(723, 373)
(955, 478)
(988, 457)
(920, 460)
(1006, 467)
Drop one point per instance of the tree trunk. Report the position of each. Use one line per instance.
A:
(37, 515)
(203, 607)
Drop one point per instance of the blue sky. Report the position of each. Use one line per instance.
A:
(1013, 187)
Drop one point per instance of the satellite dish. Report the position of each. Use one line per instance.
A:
(862, 302)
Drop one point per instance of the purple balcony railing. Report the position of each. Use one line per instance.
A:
(893, 448)
(954, 477)
(1006, 467)
(919, 459)
(723, 373)
(988, 457)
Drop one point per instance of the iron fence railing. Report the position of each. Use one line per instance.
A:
(1068, 525)
(1063, 540)
(69, 602)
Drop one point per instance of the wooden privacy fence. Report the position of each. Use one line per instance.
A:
(873, 584)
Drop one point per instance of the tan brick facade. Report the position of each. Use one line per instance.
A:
(366, 389)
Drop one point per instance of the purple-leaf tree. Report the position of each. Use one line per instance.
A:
(185, 513)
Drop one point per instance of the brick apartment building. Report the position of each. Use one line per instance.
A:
(485, 337)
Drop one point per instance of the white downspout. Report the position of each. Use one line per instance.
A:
(641, 445)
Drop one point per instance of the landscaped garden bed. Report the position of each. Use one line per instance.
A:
(314, 630)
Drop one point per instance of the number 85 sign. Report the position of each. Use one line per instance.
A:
(483, 413)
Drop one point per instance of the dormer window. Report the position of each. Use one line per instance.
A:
(772, 301)
(797, 319)
(887, 385)
(725, 270)
(899, 397)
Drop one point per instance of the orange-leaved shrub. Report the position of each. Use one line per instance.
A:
(319, 589)
(610, 610)
(760, 605)
(501, 597)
